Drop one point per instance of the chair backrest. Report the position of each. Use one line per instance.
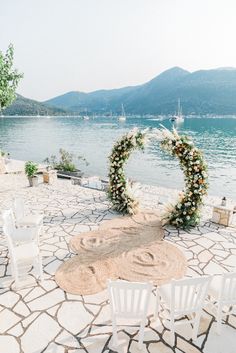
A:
(19, 209)
(188, 295)
(8, 227)
(129, 299)
(227, 292)
(8, 223)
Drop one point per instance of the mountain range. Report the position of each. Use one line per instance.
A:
(26, 106)
(201, 92)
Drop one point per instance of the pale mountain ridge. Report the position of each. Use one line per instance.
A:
(201, 92)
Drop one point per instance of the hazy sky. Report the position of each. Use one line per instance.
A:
(65, 45)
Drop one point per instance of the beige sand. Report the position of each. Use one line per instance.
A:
(130, 248)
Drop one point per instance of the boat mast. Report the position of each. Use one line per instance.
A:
(179, 109)
(123, 110)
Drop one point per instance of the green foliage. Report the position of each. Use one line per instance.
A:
(65, 161)
(9, 78)
(118, 191)
(186, 213)
(25, 106)
(31, 169)
(2, 153)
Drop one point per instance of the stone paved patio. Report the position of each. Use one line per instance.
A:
(43, 318)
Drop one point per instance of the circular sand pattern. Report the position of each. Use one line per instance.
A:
(160, 262)
(147, 218)
(77, 276)
(114, 242)
(123, 222)
(130, 248)
(99, 242)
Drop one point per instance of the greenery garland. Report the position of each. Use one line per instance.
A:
(186, 213)
(119, 191)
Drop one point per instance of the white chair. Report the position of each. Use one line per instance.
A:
(129, 300)
(23, 247)
(23, 220)
(222, 291)
(184, 297)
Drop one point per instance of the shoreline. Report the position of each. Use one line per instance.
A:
(16, 167)
(149, 196)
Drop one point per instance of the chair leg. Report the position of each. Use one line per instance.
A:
(141, 334)
(15, 274)
(40, 268)
(114, 331)
(172, 330)
(219, 319)
(196, 325)
(158, 300)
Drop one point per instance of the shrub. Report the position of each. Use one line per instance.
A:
(65, 161)
(31, 169)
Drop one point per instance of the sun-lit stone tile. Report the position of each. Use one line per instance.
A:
(9, 344)
(35, 293)
(48, 285)
(225, 342)
(55, 348)
(9, 299)
(213, 269)
(95, 344)
(97, 298)
(134, 348)
(30, 319)
(16, 330)
(205, 256)
(159, 347)
(104, 316)
(7, 320)
(186, 346)
(39, 334)
(52, 267)
(94, 309)
(67, 339)
(230, 261)
(47, 300)
(21, 309)
(215, 237)
(73, 317)
(197, 249)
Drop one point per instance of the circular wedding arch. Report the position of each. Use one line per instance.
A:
(186, 212)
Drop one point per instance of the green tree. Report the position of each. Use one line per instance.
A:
(9, 78)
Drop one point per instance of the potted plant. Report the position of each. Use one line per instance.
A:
(65, 164)
(31, 169)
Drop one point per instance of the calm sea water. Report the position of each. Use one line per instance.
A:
(36, 138)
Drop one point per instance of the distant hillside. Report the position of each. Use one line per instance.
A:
(201, 92)
(25, 106)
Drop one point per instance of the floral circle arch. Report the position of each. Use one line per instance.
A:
(186, 212)
(119, 191)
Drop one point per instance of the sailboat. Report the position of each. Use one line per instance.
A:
(86, 117)
(179, 116)
(47, 116)
(122, 117)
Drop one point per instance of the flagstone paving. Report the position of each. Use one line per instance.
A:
(43, 318)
